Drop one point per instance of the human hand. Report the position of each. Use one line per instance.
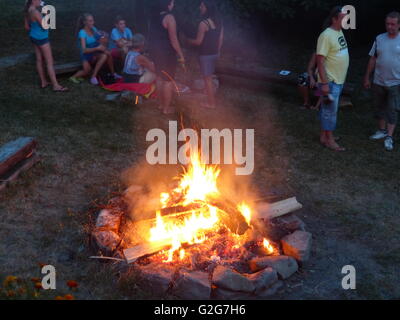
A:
(181, 61)
(325, 89)
(102, 48)
(367, 83)
(313, 83)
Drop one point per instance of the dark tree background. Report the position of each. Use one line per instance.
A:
(275, 31)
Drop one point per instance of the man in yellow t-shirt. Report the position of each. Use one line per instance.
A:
(333, 63)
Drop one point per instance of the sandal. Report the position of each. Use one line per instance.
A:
(75, 80)
(336, 148)
(61, 89)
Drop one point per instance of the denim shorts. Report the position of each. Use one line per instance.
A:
(41, 42)
(387, 101)
(328, 112)
(207, 64)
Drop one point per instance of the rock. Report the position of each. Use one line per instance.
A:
(226, 278)
(108, 220)
(297, 245)
(156, 278)
(223, 294)
(268, 292)
(193, 286)
(291, 222)
(263, 279)
(106, 240)
(274, 232)
(284, 265)
(238, 265)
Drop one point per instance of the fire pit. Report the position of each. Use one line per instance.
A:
(199, 244)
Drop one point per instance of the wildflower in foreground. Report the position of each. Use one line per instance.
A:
(72, 284)
(69, 297)
(38, 285)
(10, 293)
(8, 280)
(21, 290)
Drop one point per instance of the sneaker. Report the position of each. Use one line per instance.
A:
(389, 143)
(117, 76)
(380, 134)
(94, 81)
(74, 80)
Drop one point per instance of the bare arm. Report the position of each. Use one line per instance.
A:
(35, 16)
(170, 24)
(311, 65)
(145, 63)
(311, 69)
(322, 74)
(90, 50)
(370, 69)
(221, 40)
(26, 24)
(200, 35)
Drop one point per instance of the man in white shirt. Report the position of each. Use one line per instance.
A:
(385, 60)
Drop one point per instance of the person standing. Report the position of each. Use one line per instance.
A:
(164, 47)
(40, 40)
(385, 60)
(210, 37)
(333, 63)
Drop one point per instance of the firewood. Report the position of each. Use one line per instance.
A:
(14, 152)
(178, 210)
(14, 173)
(142, 250)
(67, 67)
(273, 210)
(230, 215)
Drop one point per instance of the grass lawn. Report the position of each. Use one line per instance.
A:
(351, 200)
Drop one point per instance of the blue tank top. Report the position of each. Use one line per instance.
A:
(37, 32)
(131, 67)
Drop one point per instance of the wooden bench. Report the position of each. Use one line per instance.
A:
(16, 157)
(67, 68)
(268, 75)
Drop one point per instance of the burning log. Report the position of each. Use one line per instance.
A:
(228, 213)
(230, 216)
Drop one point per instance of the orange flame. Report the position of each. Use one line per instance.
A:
(197, 184)
(268, 246)
(245, 211)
